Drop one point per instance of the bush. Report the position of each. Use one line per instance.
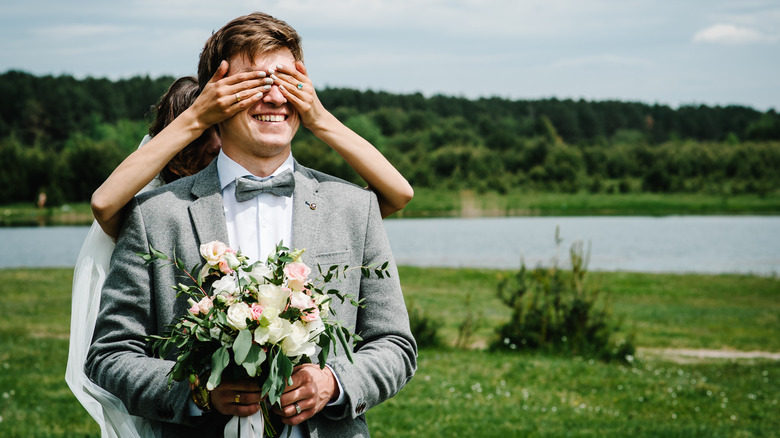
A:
(424, 328)
(556, 311)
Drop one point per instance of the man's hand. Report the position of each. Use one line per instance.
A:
(312, 388)
(241, 398)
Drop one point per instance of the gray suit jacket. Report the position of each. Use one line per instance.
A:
(334, 221)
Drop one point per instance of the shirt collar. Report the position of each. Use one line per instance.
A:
(229, 170)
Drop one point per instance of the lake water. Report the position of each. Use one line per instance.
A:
(705, 244)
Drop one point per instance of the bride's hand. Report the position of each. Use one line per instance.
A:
(224, 96)
(298, 89)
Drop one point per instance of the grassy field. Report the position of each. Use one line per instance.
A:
(478, 393)
(429, 202)
(438, 203)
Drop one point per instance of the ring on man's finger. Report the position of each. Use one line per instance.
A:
(237, 399)
(238, 99)
(297, 408)
(300, 86)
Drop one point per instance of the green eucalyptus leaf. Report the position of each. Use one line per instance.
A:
(219, 361)
(285, 368)
(158, 254)
(254, 359)
(242, 345)
(344, 343)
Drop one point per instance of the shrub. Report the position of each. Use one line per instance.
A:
(556, 311)
(424, 328)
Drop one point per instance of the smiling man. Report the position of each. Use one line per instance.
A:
(259, 138)
(334, 221)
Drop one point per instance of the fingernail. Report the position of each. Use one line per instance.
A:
(274, 77)
(266, 87)
(268, 81)
(261, 74)
(271, 71)
(279, 67)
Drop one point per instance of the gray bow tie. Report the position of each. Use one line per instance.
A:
(279, 185)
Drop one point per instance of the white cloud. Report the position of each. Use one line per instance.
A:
(732, 35)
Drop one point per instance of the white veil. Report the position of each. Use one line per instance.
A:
(88, 277)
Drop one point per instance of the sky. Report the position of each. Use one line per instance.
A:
(669, 52)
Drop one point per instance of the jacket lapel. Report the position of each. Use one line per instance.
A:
(207, 211)
(306, 212)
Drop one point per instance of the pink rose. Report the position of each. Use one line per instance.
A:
(302, 302)
(297, 275)
(256, 311)
(205, 304)
(224, 267)
(195, 309)
(202, 307)
(312, 315)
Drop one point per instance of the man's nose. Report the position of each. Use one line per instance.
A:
(274, 96)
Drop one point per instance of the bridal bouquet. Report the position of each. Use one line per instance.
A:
(255, 320)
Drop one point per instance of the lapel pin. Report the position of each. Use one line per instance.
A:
(312, 205)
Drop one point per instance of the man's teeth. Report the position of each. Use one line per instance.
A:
(267, 118)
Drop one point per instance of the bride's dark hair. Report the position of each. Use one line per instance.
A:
(180, 96)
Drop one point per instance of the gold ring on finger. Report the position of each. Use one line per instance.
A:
(297, 408)
(238, 99)
(237, 399)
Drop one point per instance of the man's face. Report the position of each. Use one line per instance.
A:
(265, 129)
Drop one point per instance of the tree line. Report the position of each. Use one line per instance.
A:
(63, 136)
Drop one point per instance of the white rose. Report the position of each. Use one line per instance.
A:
(297, 342)
(262, 335)
(237, 315)
(259, 273)
(269, 315)
(213, 252)
(273, 333)
(270, 295)
(226, 284)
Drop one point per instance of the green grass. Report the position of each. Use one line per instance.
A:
(460, 393)
(428, 202)
(734, 312)
(478, 393)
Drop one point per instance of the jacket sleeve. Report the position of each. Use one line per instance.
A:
(386, 359)
(119, 359)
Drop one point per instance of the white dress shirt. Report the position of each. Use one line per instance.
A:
(255, 226)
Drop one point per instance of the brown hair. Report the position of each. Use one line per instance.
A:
(180, 96)
(248, 35)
